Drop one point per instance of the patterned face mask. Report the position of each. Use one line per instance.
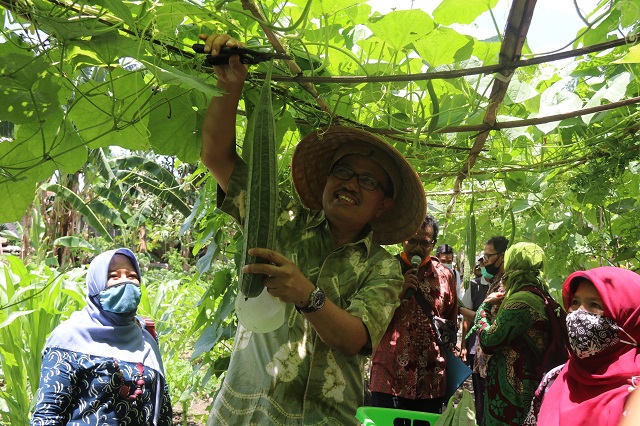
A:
(590, 334)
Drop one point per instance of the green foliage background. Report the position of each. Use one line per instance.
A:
(83, 76)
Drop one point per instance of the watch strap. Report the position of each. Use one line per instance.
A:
(316, 301)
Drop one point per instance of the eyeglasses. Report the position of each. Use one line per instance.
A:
(488, 256)
(422, 243)
(364, 181)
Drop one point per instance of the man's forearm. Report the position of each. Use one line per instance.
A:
(465, 329)
(219, 133)
(338, 329)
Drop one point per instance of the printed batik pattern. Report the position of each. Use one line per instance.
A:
(78, 389)
(515, 344)
(408, 362)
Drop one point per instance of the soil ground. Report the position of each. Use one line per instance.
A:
(198, 410)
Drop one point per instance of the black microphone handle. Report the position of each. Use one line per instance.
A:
(410, 291)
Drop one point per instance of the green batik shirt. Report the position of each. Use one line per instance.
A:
(289, 376)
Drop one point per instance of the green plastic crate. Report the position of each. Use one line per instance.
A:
(378, 416)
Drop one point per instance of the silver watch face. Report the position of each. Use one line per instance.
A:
(317, 299)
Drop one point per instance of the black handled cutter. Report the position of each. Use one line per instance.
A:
(247, 56)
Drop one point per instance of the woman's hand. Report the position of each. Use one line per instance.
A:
(495, 298)
(235, 71)
(284, 280)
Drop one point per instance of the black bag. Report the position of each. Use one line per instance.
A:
(446, 337)
(557, 352)
(446, 330)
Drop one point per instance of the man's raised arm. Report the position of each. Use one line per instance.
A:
(219, 127)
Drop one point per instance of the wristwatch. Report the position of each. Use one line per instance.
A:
(316, 301)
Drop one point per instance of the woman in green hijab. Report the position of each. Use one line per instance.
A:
(517, 339)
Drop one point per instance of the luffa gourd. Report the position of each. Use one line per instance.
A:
(259, 152)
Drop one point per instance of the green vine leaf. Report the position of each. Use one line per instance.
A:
(632, 57)
(449, 11)
(443, 46)
(402, 27)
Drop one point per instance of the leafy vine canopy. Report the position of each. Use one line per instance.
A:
(544, 138)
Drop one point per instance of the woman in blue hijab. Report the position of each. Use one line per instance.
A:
(102, 366)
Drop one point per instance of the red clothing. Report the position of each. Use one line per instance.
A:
(593, 390)
(407, 362)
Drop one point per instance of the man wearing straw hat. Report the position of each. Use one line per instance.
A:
(340, 286)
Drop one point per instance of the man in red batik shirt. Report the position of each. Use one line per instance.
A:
(408, 367)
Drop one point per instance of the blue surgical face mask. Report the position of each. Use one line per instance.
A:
(448, 265)
(121, 298)
(486, 274)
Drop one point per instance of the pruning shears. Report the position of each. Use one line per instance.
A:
(247, 56)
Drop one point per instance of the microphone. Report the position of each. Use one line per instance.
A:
(415, 263)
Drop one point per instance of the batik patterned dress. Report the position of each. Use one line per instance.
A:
(515, 343)
(100, 367)
(408, 362)
(78, 389)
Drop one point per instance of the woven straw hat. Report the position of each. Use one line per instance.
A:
(314, 156)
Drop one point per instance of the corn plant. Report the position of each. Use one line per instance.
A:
(176, 300)
(33, 299)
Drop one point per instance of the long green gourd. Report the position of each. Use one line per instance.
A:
(259, 152)
(470, 246)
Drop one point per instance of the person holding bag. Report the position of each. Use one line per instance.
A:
(408, 367)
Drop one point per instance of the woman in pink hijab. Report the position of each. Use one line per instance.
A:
(603, 321)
